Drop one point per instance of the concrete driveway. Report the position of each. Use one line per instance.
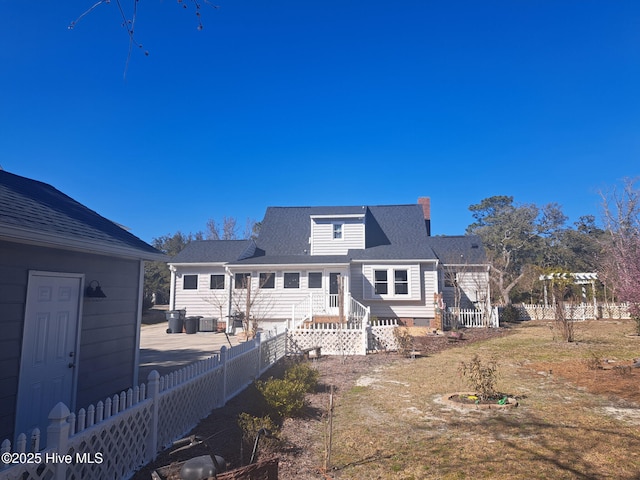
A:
(167, 352)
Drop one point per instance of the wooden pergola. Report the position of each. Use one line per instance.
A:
(582, 278)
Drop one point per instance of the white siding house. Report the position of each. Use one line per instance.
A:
(311, 264)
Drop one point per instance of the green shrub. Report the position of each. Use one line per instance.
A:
(285, 397)
(509, 314)
(303, 374)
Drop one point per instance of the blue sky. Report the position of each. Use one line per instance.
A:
(321, 103)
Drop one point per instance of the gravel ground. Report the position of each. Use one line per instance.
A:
(301, 449)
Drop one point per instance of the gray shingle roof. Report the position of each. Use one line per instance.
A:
(458, 250)
(213, 251)
(37, 212)
(395, 232)
(392, 231)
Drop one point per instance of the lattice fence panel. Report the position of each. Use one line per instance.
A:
(44, 471)
(241, 371)
(121, 442)
(272, 350)
(382, 339)
(181, 407)
(331, 342)
(614, 310)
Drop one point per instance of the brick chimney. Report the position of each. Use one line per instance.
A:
(425, 203)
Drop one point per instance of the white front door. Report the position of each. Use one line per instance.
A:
(49, 357)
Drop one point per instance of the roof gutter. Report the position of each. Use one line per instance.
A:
(17, 235)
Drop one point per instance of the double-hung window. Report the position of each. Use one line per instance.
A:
(380, 285)
(337, 231)
(391, 282)
(401, 282)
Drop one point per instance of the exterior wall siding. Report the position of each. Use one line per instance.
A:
(204, 301)
(267, 303)
(425, 278)
(108, 325)
(323, 243)
(473, 282)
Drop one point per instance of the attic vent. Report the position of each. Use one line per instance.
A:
(475, 245)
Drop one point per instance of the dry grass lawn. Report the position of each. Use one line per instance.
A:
(573, 421)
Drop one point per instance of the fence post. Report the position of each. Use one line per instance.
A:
(223, 361)
(153, 393)
(258, 345)
(58, 436)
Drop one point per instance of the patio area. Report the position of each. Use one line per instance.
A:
(166, 352)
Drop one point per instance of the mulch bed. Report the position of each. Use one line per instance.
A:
(300, 448)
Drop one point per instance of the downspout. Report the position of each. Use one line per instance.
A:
(229, 299)
(172, 288)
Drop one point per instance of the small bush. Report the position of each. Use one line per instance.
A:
(622, 370)
(594, 362)
(285, 397)
(303, 374)
(509, 314)
(404, 341)
(251, 425)
(482, 378)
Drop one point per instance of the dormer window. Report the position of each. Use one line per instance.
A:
(337, 231)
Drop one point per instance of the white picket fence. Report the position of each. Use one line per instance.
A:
(468, 318)
(579, 311)
(114, 438)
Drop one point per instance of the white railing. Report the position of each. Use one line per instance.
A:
(469, 318)
(116, 437)
(326, 304)
(350, 337)
(358, 312)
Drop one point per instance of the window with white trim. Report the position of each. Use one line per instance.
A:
(337, 231)
(267, 280)
(190, 282)
(315, 279)
(401, 282)
(380, 285)
(291, 280)
(217, 282)
(392, 282)
(241, 280)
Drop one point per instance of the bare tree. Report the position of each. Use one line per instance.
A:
(250, 301)
(620, 266)
(228, 229)
(129, 15)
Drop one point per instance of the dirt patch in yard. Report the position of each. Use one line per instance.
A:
(617, 381)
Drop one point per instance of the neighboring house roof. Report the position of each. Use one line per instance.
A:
(213, 251)
(458, 250)
(37, 213)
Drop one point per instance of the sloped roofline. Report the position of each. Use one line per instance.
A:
(36, 213)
